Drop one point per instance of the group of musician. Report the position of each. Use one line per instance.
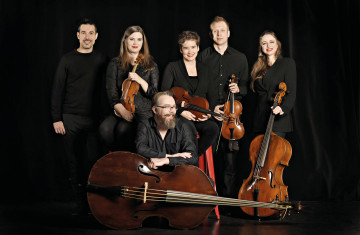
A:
(160, 129)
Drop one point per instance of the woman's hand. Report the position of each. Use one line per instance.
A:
(277, 110)
(122, 112)
(188, 115)
(136, 78)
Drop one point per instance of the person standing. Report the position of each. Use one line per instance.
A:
(225, 61)
(75, 105)
(268, 72)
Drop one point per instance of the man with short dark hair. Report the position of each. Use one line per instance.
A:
(165, 139)
(75, 105)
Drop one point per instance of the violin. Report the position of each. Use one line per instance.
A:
(269, 155)
(130, 89)
(232, 128)
(195, 104)
(123, 191)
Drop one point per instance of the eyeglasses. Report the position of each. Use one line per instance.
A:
(168, 107)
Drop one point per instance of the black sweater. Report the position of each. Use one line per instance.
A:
(77, 84)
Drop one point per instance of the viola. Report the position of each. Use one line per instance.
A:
(269, 155)
(232, 128)
(130, 89)
(123, 191)
(195, 104)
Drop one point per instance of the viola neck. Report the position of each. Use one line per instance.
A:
(232, 109)
(135, 67)
(201, 110)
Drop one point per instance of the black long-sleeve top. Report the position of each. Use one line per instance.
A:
(77, 84)
(221, 69)
(114, 80)
(176, 75)
(283, 70)
(180, 139)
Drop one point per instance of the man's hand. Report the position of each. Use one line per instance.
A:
(154, 163)
(183, 155)
(217, 109)
(234, 88)
(59, 128)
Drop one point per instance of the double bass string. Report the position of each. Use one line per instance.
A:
(193, 198)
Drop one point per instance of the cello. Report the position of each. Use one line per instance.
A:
(130, 89)
(269, 154)
(123, 191)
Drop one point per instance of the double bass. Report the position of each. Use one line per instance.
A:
(269, 155)
(130, 89)
(123, 191)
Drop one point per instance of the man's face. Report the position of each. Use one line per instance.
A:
(165, 111)
(87, 37)
(220, 32)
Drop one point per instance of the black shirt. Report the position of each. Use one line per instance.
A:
(115, 77)
(77, 84)
(178, 140)
(221, 69)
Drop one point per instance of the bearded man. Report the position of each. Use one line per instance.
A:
(165, 139)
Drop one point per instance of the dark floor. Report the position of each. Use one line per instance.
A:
(55, 218)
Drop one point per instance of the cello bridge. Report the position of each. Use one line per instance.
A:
(259, 178)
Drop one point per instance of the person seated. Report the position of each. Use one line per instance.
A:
(165, 139)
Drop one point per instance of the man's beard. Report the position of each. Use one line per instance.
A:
(165, 121)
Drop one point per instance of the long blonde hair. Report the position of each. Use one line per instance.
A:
(124, 59)
(261, 65)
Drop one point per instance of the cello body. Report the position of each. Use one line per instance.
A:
(270, 187)
(125, 168)
(269, 154)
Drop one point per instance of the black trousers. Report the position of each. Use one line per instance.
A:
(81, 145)
(208, 132)
(118, 134)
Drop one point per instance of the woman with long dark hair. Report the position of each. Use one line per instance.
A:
(118, 129)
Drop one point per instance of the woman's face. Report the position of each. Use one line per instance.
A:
(134, 42)
(189, 50)
(269, 45)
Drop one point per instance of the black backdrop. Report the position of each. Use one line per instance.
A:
(320, 36)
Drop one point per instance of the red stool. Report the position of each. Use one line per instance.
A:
(208, 168)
